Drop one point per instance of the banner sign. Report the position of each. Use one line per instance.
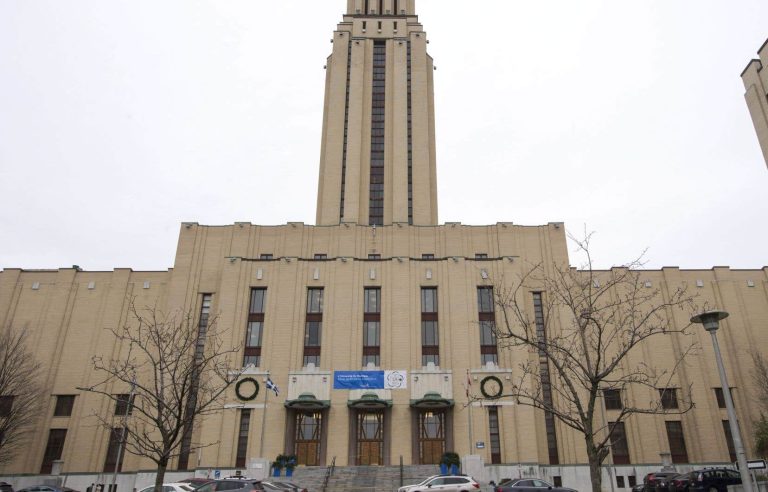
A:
(361, 380)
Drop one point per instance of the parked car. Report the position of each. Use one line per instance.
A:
(5, 487)
(679, 483)
(529, 485)
(235, 485)
(443, 483)
(195, 482)
(46, 488)
(658, 481)
(713, 480)
(291, 486)
(171, 487)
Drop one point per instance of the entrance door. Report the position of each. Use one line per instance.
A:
(309, 427)
(370, 438)
(431, 436)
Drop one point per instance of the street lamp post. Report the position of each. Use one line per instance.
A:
(711, 322)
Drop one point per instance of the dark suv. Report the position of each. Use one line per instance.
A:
(658, 481)
(713, 480)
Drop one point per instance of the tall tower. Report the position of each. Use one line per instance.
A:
(756, 82)
(377, 162)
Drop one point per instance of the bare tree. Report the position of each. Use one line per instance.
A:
(760, 378)
(587, 329)
(178, 370)
(19, 392)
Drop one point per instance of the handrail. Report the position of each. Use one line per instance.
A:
(328, 473)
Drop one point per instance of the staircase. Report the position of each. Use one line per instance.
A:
(362, 478)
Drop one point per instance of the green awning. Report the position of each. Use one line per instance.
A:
(369, 401)
(432, 400)
(307, 401)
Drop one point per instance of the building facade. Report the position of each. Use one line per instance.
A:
(377, 284)
(756, 84)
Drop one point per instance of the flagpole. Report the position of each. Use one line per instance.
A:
(264, 418)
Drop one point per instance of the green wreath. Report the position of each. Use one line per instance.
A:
(247, 397)
(485, 393)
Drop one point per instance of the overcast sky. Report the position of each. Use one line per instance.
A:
(119, 119)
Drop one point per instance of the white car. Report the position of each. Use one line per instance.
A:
(170, 487)
(443, 483)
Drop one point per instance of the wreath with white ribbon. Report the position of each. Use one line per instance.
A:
(486, 381)
(253, 395)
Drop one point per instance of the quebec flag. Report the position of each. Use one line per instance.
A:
(273, 387)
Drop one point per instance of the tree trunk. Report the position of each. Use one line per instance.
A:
(161, 467)
(595, 471)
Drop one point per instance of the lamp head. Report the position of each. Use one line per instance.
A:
(710, 319)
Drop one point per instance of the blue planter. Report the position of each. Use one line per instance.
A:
(443, 469)
(276, 472)
(289, 472)
(454, 470)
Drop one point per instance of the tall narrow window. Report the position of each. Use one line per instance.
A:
(202, 331)
(372, 327)
(493, 427)
(64, 404)
(376, 191)
(255, 329)
(613, 399)
(242, 438)
(6, 405)
(546, 382)
(381, 7)
(313, 329)
(677, 442)
(410, 140)
(729, 441)
(346, 124)
(489, 352)
(110, 463)
(619, 444)
(430, 339)
(720, 397)
(53, 449)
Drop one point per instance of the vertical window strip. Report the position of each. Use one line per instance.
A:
(255, 330)
(346, 131)
(493, 427)
(53, 449)
(546, 383)
(242, 438)
(619, 444)
(202, 331)
(410, 140)
(676, 438)
(372, 326)
(113, 446)
(378, 102)
(489, 351)
(313, 328)
(729, 441)
(430, 336)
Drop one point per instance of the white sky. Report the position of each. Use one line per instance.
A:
(121, 118)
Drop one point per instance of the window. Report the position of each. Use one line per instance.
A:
(266, 256)
(113, 447)
(374, 257)
(64, 404)
(321, 256)
(619, 444)
(372, 326)
(493, 427)
(720, 396)
(613, 399)
(620, 482)
(668, 398)
(427, 256)
(677, 442)
(6, 404)
(481, 256)
(242, 437)
(729, 441)
(53, 449)
(255, 328)
(632, 479)
(546, 384)
(489, 351)
(378, 99)
(313, 329)
(122, 404)
(558, 481)
(430, 339)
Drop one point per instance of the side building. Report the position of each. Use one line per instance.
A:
(756, 83)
